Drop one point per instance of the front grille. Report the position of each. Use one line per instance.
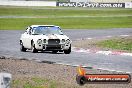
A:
(53, 41)
(53, 47)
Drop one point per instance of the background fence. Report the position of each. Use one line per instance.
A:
(102, 1)
(71, 3)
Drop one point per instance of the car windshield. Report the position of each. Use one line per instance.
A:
(47, 30)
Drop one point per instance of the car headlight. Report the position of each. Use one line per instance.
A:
(39, 41)
(68, 41)
(63, 40)
(44, 41)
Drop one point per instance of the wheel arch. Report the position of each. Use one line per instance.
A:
(32, 41)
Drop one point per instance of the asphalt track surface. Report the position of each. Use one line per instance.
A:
(9, 46)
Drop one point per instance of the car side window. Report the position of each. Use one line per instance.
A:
(30, 31)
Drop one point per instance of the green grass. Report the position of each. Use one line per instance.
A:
(68, 23)
(117, 43)
(34, 82)
(115, 18)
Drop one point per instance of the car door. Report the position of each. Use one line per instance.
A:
(27, 38)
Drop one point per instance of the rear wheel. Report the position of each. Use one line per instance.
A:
(33, 49)
(68, 51)
(22, 48)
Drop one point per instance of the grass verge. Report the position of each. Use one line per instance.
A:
(115, 43)
(124, 44)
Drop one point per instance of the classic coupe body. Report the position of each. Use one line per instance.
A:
(45, 38)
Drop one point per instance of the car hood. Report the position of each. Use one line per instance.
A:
(51, 36)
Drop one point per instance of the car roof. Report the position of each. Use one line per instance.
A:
(44, 25)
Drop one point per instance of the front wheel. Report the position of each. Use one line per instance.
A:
(22, 48)
(33, 49)
(68, 51)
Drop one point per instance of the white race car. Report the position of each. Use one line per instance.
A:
(45, 38)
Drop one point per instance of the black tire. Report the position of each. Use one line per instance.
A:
(81, 80)
(22, 48)
(54, 51)
(33, 49)
(68, 51)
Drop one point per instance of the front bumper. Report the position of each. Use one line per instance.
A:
(52, 47)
